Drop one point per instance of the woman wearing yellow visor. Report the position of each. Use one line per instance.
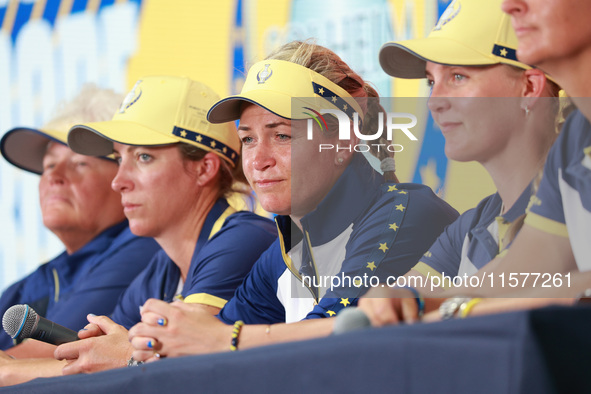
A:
(176, 173)
(343, 226)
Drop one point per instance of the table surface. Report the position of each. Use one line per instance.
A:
(538, 351)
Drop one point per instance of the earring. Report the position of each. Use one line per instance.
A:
(340, 161)
(526, 109)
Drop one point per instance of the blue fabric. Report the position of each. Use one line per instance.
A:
(562, 204)
(540, 351)
(469, 234)
(347, 229)
(255, 301)
(219, 263)
(566, 161)
(91, 280)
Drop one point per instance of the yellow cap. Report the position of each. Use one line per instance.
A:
(160, 110)
(469, 33)
(272, 84)
(25, 148)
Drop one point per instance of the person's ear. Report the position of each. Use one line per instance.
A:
(535, 83)
(207, 168)
(534, 88)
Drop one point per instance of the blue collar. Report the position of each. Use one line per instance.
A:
(85, 258)
(519, 207)
(214, 214)
(492, 208)
(481, 239)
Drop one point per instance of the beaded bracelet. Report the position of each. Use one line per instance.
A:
(235, 334)
(467, 306)
(418, 298)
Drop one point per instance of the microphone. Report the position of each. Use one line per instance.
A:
(350, 319)
(21, 321)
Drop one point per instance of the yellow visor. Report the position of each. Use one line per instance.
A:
(271, 84)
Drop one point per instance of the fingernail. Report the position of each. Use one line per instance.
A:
(82, 329)
(162, 322)
(150, 344)
(92, 314)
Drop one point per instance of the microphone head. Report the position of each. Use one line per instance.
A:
(19, 321)
(350, 319)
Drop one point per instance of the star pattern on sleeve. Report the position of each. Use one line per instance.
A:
(331, 313)
(395, 211)
(345, 301)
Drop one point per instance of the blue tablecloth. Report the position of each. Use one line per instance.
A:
(540, 351)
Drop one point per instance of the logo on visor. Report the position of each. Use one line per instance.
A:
(131, 98)
(450, 12)
(264, 74)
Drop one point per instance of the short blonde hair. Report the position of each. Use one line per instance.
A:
(92, 104)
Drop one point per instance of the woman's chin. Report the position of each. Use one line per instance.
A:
(140, 229)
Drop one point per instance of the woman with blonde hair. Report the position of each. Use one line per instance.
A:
(492, 109)
(338, 218)
(101, 256)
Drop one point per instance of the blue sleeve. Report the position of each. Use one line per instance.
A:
(255, 301)
(34, 290)
(152, 282)
(99, 291)
(388, 243)
(227, 257)
(127, 311)
(445, 255)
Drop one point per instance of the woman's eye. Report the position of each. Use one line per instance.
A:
(283, 137)
(459, 77)
(144, 157)
(247, 140)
